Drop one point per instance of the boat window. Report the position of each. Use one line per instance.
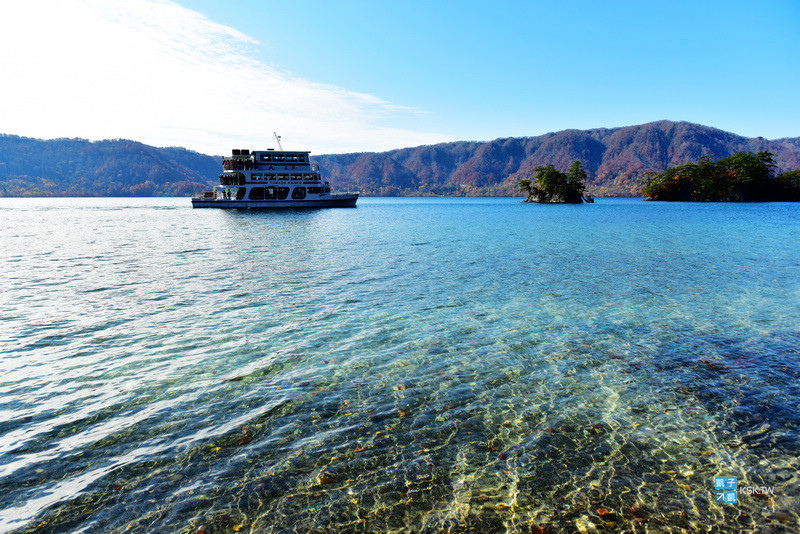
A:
(233, 178)
(281, 192)
(327, 189)
(266, 157)
(303, 158)
(270, 193)
(269, 176)
(256, 176)
(309, 177)
(316, 190)
(257, 193)
(299, 193)
(283, 176)
(297, 177)
(240, 193)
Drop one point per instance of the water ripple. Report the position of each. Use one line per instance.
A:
(425, 365)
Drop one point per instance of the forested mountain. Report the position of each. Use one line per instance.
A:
(77, 167)
(614, 159)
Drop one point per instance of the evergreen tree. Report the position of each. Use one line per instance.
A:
(553, 186)
(742, 177)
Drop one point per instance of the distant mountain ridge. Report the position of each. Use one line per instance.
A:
(119, 167)
(613, 157)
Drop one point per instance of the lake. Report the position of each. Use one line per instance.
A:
(410, 365)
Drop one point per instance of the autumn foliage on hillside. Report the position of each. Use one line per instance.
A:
(742, 177)
(614, 160)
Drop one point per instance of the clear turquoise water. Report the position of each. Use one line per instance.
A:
(411, 365)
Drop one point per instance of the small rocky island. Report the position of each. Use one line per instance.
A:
(552, 186)
(742, 177)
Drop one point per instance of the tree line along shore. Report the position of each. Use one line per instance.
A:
(741, 177)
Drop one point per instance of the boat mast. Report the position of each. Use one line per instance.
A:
(278, 139)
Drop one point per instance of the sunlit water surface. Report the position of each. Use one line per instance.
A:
(411, 365)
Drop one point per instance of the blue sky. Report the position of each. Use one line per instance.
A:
(338, 76)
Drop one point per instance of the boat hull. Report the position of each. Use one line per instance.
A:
(339, 201)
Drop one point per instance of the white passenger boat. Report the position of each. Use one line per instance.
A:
(272, 179)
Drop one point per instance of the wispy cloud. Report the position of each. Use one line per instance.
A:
(154, 71)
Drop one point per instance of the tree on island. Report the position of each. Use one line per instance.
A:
(742, 177)
(555, 187)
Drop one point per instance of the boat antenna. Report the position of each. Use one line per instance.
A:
(278, 139)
